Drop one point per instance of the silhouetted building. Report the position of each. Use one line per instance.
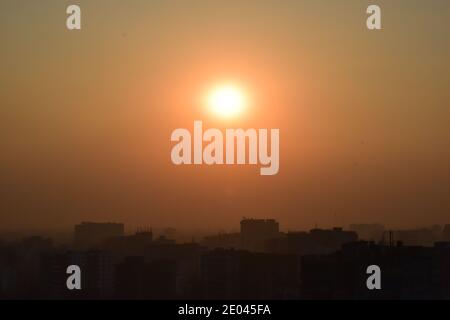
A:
(407, 272)
(9, 274)
(170, 233)
(369, 232)
(317, 241)
(232, 274)
(223, 240)
(446, 233)
(130, 245)
(92, 235)
(417, 237)
(187, 258)
(20, 267)
(97, 275)
(161, 240)
(138, 279)
(255, 233)
(54, 268)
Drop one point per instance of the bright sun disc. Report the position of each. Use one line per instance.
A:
(226, 101)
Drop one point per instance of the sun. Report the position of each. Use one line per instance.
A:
(227, 101)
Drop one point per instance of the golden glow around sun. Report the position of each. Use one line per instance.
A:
(227, 101)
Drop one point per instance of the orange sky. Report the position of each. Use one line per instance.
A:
(86, 116)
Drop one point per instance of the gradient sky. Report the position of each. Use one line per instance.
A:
(86, 116)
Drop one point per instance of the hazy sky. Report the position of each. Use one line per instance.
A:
(86, 116)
